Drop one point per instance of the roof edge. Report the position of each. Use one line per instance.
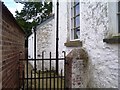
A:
(11, 16)
(48, 19)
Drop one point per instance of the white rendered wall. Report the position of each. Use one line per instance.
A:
(94, 27)
(62, 31)
(45, 42)
(103, 57)
(31, 48)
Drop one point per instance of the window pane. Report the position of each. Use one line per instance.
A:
(118, 23)
(76, 33)
(72, 34)
(72, 13)
(72, 23)
(119, 6)
(119, 17)
(77, 21)
(76, 1)
(77, 10)
(72, 4)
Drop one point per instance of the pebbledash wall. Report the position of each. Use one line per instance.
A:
(97, 24)
(100, 69)
(13, 49)
(45, 34)
(102, 64)
(93, 63)
(31, 48)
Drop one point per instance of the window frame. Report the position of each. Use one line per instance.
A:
(72, 22)
(113, 34)
(118, 16)
(112, 19)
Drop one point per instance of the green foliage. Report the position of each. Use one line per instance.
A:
(33, 13)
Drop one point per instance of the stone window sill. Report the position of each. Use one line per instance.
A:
(112, 40)
(76, 43)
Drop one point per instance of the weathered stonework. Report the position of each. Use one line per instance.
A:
(77, 65)
(46, 42)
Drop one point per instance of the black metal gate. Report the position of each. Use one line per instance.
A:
(34, 79)
(44, 79)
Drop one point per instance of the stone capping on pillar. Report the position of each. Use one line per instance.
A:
(75, 56)
(78, 53)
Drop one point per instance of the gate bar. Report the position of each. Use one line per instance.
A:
(43, 69)
(35, 54)
(58, 80)
(39, 81)
(43, 59)
(50, 70)
(57, 37)
(46, 79)
(31, 79)
(64, 69)
(27, 72)
(61, 79)
(54, 81)
(23, 80)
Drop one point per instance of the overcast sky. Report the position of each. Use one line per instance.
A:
(12, 6)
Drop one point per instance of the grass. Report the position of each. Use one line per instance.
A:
(45, 83)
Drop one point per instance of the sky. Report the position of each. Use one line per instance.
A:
(12, 6)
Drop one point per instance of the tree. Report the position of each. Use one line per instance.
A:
(33, 13)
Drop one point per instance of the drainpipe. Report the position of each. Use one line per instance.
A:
(35, 68)
(57, 38)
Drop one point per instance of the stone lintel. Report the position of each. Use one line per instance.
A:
(77, 43)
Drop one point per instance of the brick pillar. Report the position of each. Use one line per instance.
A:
(77, 69)
(69, 72)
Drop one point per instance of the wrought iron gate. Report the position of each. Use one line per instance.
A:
(43, 79)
